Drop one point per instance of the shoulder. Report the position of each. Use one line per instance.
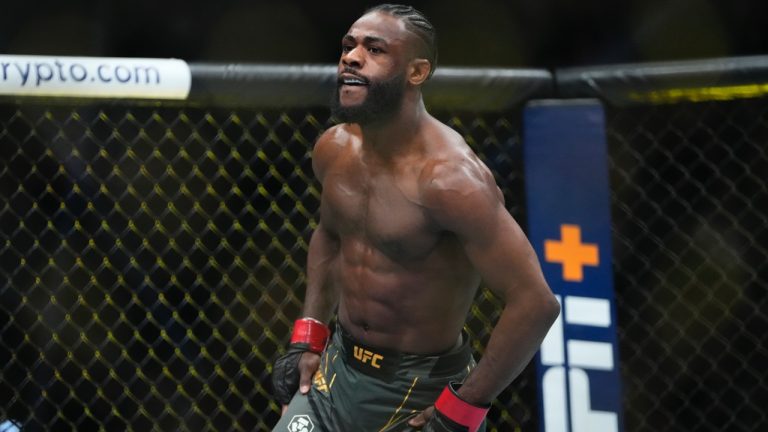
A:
(456, 184)
(330, 145)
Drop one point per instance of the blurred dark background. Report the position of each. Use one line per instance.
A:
(515, 33)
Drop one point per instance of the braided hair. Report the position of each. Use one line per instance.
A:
(417, 24)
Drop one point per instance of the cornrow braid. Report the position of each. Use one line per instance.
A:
(416, 23)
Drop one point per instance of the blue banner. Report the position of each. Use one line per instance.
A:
(569, 225)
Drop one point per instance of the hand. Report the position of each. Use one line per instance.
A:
(293, 371)
(450, 414)
(422, 418)
(309, 363)
(433, 421)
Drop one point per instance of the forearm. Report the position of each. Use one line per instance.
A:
(321, 297)
(514, 340)
(294, 370)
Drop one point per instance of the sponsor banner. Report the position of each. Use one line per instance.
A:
(566, 176)
(94, 77)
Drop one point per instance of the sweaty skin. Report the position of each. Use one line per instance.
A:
(411, 221)
(405, 281)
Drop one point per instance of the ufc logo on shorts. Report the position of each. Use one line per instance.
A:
(363, 355)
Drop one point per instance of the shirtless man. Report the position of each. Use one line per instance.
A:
(411, 221)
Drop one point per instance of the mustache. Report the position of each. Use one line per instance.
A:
(351, 71)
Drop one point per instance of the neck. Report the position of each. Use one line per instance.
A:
(394, 135)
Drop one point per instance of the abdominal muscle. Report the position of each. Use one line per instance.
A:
(417, 307)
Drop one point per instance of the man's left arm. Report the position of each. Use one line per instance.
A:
(510, 269)
(468, 203)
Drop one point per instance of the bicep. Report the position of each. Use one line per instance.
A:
(502, 254)
(464, 200)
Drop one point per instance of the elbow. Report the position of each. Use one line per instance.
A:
(546, 307)
(550, 308)
(541, 307)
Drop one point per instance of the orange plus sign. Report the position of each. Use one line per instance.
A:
(571, 253)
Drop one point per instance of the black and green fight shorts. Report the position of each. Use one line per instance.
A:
(359, 388)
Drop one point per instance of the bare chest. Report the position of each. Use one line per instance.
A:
(380, 208)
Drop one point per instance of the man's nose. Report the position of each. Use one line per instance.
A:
(353, 58)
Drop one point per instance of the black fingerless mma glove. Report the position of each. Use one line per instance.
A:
(440, 423)
(285, 373)
(309, 335)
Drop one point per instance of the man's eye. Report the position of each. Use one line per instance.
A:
(346, 48)
(374, 50)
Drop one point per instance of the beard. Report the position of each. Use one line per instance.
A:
(382, 101)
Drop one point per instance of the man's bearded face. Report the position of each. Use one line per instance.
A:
(382, 99)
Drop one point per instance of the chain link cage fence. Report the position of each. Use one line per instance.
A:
(152, 255)
(688, 150)
(690, 210)
(153, 258)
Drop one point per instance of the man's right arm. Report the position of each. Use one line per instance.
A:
(321, 298)
(296, 368)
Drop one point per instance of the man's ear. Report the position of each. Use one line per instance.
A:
(419, 71)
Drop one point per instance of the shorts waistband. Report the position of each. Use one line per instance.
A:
(386, 363)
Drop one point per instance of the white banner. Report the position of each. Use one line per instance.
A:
(99, 77)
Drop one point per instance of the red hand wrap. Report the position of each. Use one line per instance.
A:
(452, 406)
(310, 331)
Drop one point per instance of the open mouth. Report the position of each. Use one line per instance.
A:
(352, 80)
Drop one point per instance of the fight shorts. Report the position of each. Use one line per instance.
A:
(359, 388)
